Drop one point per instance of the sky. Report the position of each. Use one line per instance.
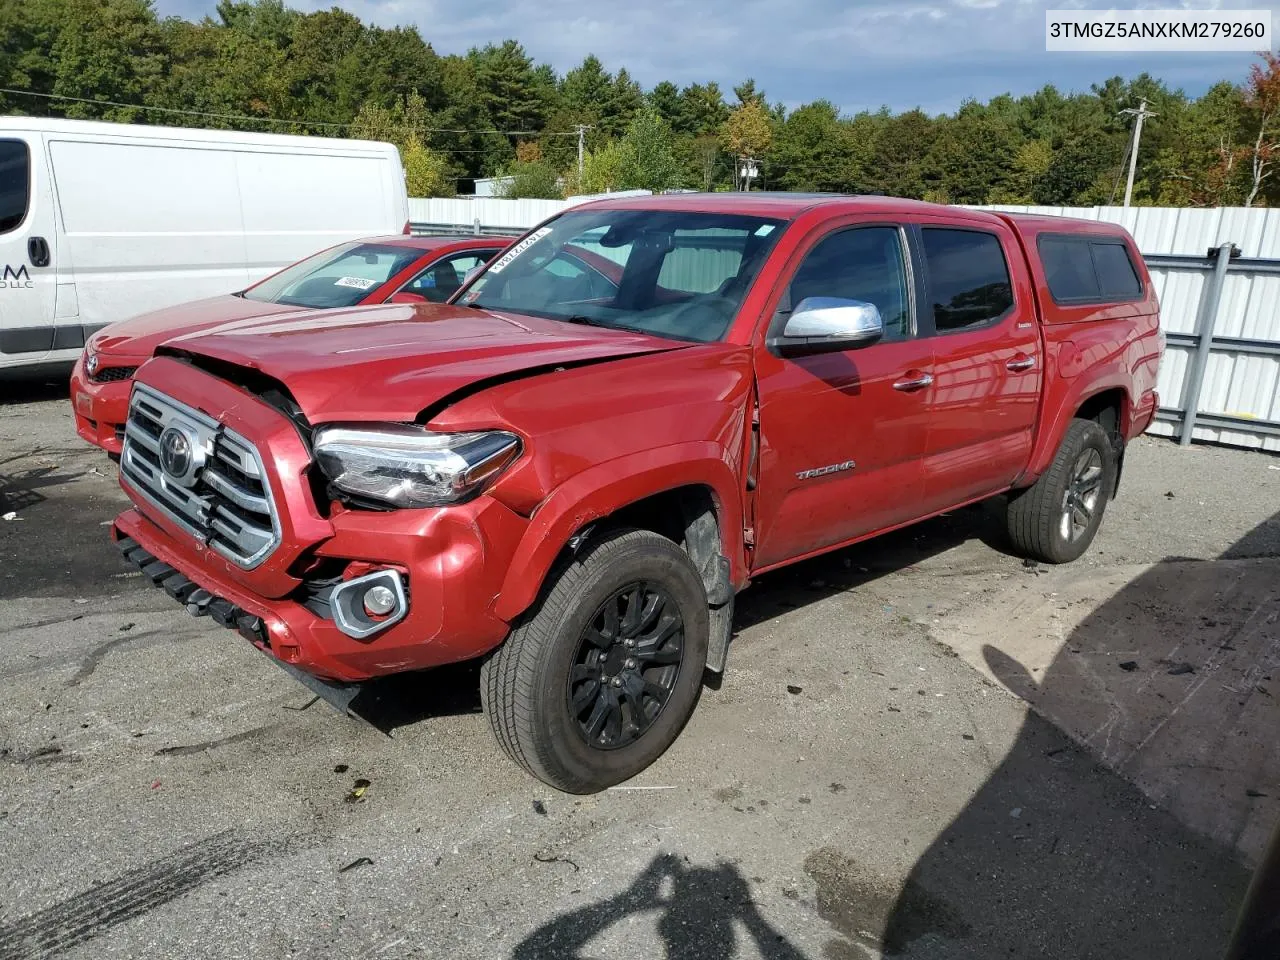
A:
(859, 54)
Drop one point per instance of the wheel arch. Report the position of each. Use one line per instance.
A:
(1107, 402)
(685, 492)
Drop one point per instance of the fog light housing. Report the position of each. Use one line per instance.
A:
(379, 600)
(365, 605)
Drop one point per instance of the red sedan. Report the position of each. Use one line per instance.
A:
(395, 269)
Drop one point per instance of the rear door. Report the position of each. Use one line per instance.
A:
(843, 434)
(987, 363)
(28, 251)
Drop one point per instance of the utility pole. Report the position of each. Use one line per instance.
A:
(582, 133)
(1140, 114)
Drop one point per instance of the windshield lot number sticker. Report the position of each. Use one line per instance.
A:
(519, 248)
(360, 283)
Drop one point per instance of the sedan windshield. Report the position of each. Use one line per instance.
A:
(340, 277)
(674, 274)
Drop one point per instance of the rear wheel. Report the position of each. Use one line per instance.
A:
(1056, 519)
(600, 678)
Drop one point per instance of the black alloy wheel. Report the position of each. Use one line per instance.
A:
(626, 665)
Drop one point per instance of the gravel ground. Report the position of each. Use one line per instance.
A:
(922, 748)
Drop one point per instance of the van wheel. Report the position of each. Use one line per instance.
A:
(600, 678)
(1056, 519)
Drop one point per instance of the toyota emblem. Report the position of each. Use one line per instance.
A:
(176, 448)
(91, 364)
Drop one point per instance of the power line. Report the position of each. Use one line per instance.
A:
(188, 113)
(306, 123)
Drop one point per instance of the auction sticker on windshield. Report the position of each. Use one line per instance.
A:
(360, 283)
(518, 249)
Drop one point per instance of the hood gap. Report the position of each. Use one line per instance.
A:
(427, 414)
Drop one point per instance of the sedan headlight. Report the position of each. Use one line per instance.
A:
(407, 466)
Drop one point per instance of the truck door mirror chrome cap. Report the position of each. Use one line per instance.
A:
(834, 318)
(830, 323)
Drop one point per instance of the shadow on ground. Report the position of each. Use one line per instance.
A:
(700, 913)
(403, 699)
(1059, 854)
(20, 489)
(35, 385)
(832, 573)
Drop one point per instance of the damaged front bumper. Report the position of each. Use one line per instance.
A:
(443, 572)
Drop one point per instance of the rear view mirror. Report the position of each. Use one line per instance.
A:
(825, 324)
(466, 277)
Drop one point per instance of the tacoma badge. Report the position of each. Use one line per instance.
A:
(823, 471)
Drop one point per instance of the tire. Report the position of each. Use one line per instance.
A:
(526, 685)
(1055, 520)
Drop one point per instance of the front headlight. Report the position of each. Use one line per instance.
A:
(407, 466)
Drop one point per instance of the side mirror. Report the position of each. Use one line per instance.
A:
(404, 296)
(826, 324)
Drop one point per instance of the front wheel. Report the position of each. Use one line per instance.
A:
(599, 679)
(1056, 519)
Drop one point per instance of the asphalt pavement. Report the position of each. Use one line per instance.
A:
(922, 748)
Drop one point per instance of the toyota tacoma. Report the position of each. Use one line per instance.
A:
(572, 468)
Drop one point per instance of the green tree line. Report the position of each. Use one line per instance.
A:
(494, 111)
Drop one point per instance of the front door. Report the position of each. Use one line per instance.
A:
(27, 251)
(843, 434)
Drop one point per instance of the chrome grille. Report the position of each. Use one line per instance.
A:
(219, 493)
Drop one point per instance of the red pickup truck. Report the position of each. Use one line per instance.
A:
(571, 468)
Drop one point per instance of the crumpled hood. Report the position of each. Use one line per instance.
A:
(139, 336)
(390, 362)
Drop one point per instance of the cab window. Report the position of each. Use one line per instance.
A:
(15, 183)
(1116, 277)
(969, 282)
(1088, 269)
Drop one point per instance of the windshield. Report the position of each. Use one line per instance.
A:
(673, 274)
(339, 277)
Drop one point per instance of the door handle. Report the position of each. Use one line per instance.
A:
(1020, 362)
(914, 380)
(38, 252)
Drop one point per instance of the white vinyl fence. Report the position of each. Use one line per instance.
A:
(490, 214)
(1216, 271)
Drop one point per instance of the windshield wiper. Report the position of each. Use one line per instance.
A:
(585, 320)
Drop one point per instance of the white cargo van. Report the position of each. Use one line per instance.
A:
(101, 221)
